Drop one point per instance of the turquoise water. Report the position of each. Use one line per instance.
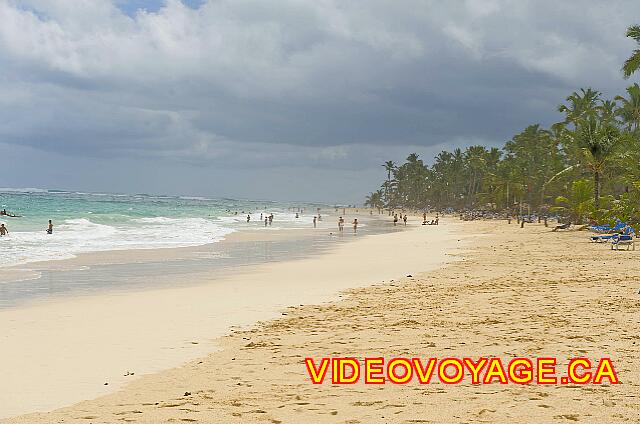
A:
(90, 222)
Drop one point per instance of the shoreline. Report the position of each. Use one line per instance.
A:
(102, 271)
(127, 332)
(32, 270)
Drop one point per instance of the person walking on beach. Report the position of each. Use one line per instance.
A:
(315, 219)
(3, 230)
(266, 220)
(355, 225)
(340, 224)
(404, 218)
(395, 219)
(50, 228)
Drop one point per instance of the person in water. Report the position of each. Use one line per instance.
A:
(315, 222)
(3, 230)
(50, 228)
(248, 218)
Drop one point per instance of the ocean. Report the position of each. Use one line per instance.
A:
(94, 222)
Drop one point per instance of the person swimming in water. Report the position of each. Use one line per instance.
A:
(3, 230)
(50, 228)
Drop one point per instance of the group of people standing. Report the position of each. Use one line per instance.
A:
(341, 224)
(4, 231)
(403, 218)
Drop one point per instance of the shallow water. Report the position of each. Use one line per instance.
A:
(95, 222)
(208, 258)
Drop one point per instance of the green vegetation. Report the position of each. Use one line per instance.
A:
(585, 166)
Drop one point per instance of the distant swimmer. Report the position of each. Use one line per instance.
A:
(355, 225)
(260, 217)
(248, 218)
(50, 228)
(315, 222)
(3, 230)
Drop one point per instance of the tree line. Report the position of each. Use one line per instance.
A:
(586, 166)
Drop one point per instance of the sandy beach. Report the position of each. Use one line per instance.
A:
(512, 292)
(80, 347)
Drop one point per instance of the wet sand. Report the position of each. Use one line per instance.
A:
(62, 351)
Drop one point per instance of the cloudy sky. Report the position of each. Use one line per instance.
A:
(286, 99)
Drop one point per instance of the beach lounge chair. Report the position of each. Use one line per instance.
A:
(602, 238)
(622, 240)
(627, 230)
(607, 228)
(562, 227)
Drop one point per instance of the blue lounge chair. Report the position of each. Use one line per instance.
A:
(602, 238)
(607, 228)
(606, 237)
(623, 240)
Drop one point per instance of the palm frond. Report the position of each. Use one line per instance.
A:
(632, 64)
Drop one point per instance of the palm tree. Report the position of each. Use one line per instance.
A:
(390, 167)
(629, 110)
(374, 200)
(597, 138)
(580, 105)
(579, 203)
(632, 64)
(476, 162)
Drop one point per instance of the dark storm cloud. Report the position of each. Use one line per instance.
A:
(243, 85)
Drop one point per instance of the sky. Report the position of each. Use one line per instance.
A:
(287, 99)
